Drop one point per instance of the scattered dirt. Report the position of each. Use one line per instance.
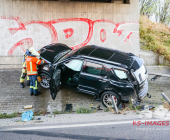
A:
(111, 109)
(166, 105)
(126, 109)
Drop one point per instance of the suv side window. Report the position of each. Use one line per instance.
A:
(95, 69)
(120, 74)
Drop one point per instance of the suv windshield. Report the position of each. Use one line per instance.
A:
(61, 56)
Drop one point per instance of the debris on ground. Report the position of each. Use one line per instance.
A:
(27, 116)
(69, 107)
(146, 107)
(126, 109)
(151, 107)
(28, 106)
(49, 108)
(121, 106)
(99, 108)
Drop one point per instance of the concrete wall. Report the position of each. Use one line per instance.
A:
(37, 23)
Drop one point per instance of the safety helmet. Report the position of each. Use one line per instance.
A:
(27, 52)
(34, 52)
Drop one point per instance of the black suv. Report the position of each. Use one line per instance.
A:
(95, 70)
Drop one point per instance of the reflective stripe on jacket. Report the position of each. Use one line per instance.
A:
(32, 63)
(24, 68)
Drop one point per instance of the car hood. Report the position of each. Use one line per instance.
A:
(49, 52)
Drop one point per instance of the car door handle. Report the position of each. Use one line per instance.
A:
(102, 81)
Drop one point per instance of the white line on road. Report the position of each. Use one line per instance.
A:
(74, 125)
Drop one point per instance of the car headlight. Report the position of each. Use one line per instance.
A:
(46, 68)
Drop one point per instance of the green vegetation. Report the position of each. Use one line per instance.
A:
(83, 109)
(137, 107)
(38, 113)
(163, 99)
(155, 37)
(106, 109)
(5, 115)
(57, 112)
(131, 107)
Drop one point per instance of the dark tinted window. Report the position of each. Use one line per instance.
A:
(93, 68)
(122, 58)
(86, 51)
(102, 53)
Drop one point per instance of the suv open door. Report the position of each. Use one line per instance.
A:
(55, 83)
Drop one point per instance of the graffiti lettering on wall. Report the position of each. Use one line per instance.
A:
(17, 36)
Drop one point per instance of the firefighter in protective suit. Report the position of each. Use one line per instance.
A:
(31, 62)
(24, 71)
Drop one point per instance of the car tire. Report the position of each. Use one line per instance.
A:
(45, 80)
(106, 98)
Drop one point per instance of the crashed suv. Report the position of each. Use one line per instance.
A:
(99, 71)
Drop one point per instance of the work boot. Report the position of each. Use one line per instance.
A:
(37, 94)
(28, 82)
(22, 85)
(31, 94)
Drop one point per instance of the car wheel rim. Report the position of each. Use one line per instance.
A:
(107, 100)
(45, 81)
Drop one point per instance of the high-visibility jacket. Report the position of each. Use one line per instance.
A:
(24, 69)
(32, 63)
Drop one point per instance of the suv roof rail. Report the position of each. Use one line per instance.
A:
(103, 60)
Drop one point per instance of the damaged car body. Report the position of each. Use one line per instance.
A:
(99, 71)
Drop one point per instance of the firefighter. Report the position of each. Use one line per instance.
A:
(24, 71)
(32, 61)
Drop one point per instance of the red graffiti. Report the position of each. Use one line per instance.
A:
(20, 24)
(116, 25)
(90, 30)
(127, 38)
(102, 35)
(48, 25)
(21, 43)
(68, 32)
(116, 30)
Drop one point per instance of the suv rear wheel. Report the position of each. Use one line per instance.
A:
(106, 98)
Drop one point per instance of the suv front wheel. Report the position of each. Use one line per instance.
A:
(45, 80)
(106, 98)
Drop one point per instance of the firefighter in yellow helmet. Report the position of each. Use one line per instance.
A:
(24, 71)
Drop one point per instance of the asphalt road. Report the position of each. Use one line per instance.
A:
(119, 131)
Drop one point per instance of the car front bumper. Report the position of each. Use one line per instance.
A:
(143, 92)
